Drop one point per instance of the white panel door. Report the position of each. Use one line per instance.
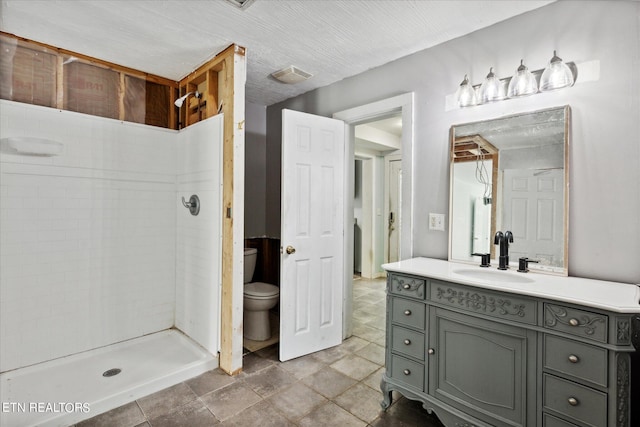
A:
(312, 233)
(532, 199)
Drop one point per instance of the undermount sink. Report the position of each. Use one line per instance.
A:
(493, 276)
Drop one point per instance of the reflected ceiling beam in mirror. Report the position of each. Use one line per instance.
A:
(471, 147)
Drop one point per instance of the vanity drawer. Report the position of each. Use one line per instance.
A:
(476, 300)
(407, 286)
(549, 421)
(577, 359)
(407, 371)
(407, 312)
(407, 342)
(581, 403)
(580, 323)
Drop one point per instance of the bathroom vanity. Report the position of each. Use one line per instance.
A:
(482, 347)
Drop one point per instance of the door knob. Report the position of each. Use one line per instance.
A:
(291, 250)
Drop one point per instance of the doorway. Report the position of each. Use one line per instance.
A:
(401, 105)
(376, 207)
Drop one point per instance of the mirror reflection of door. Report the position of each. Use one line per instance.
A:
(531, 200)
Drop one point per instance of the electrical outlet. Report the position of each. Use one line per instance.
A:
(436, 222)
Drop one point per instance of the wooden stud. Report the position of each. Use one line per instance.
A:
(226, 329)
(122, 88)
(60, 84)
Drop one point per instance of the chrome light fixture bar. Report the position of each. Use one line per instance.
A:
(556, 75)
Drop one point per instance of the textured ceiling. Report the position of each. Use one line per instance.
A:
(331, 39)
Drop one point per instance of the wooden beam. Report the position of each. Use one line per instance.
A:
(227, 303)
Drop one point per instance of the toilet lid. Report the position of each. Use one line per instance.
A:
(259, 289)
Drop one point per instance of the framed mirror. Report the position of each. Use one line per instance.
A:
(511, 174)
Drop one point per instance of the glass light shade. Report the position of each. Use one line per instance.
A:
(557, 75)
(490, 89)
(466, 94)
(522, 83)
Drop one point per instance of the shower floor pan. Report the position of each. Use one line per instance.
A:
(64, 391)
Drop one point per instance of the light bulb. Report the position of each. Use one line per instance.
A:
(466, 93)
(490, 89)
(522, 83)
(557, 75)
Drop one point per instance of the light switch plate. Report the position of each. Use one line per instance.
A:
(436, 222)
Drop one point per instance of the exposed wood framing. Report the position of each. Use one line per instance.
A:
(469, 148)
(472, 148)
(63, 54)
(221, 82)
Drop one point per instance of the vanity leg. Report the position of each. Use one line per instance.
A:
(386, 394)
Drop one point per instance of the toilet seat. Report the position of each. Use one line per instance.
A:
(261, 290)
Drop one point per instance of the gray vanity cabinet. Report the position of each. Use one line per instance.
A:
(481, 357)
(481, 366)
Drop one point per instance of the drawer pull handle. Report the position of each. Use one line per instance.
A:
(573, 358)
(431, 351)
(574, 322)
(407, 342)
(406, 372)
(407, 286)
(573, 401)
(407, 312)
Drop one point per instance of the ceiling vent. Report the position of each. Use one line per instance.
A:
(291, 75)
(241, 4)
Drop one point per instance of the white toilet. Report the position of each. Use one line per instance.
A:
(259, 298)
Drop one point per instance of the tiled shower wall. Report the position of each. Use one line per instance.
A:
(88, 237)
(199, 244)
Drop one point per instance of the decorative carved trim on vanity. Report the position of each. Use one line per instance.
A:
(559, 315)
(622, 364)
(623, 331)
(635, 331)
(479, 301)
(407, 284)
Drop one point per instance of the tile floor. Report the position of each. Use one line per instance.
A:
(335, 387)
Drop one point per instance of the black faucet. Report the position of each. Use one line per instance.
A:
(485, 259)
(503, 240)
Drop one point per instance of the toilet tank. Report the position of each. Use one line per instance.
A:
(250, 255)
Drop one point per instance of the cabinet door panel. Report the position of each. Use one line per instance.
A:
(481, 365)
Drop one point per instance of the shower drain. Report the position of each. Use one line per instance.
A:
(111, 372)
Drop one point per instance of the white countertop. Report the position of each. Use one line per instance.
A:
(612, 296)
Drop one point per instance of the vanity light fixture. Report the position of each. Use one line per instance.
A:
(466, 93)
(522, 83)
(557, 75)
(490, 89)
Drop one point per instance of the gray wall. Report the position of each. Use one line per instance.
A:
(604, 220)
(255, 170)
